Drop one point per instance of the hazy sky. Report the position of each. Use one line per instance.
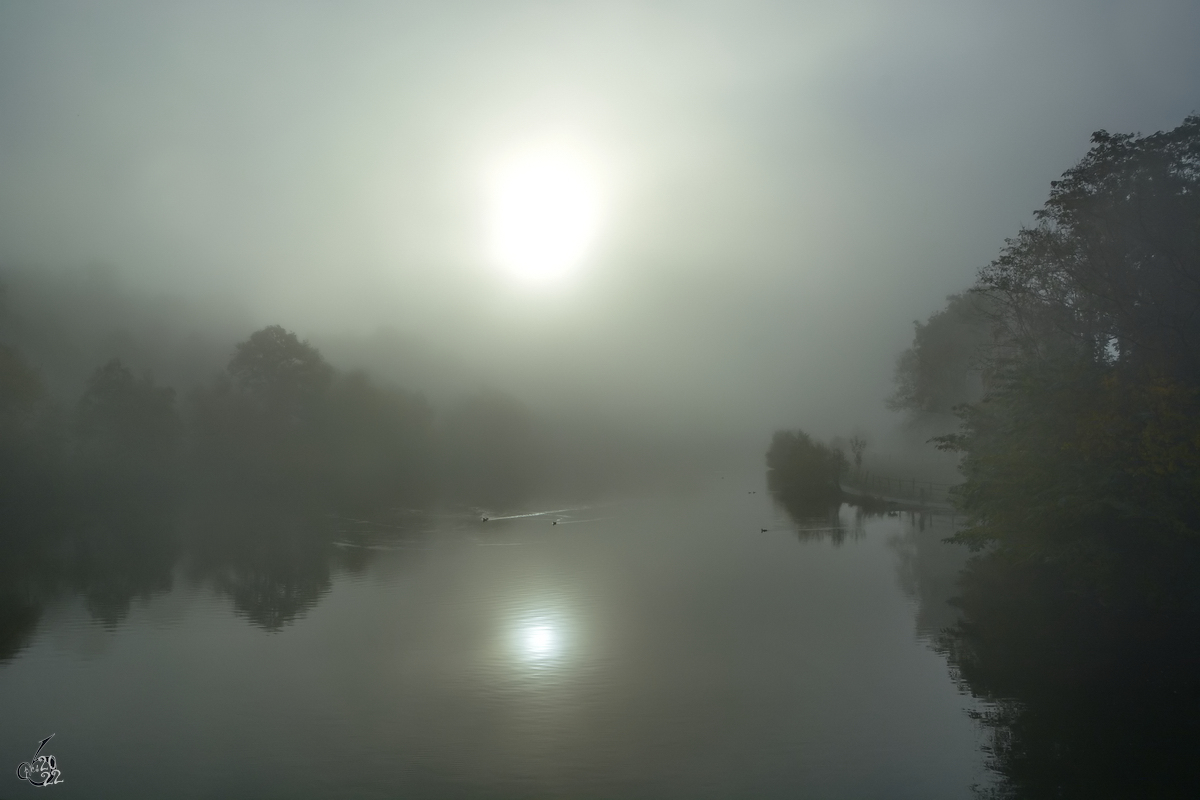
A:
(781, 187)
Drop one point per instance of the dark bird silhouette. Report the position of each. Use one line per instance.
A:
(762, 530)
(484, 519)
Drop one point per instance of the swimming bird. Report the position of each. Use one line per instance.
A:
(484, 519)
(762, 530)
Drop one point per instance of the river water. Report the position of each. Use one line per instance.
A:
(647, 648)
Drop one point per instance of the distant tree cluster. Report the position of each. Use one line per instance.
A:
(945, 367)
(1084, 443)
(279, 418)
(27, 425)
(804, 470)
(126, 426)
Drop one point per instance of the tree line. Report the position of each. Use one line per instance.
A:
(278, 418)
(1073, 364)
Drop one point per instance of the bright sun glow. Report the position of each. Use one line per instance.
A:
(540, 640)
(543, 214)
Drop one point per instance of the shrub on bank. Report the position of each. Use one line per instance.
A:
(804, 469)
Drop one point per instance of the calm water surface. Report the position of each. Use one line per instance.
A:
(651, 648)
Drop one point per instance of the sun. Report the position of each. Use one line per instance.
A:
(543, 213)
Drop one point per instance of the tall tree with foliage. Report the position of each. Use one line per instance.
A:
(946, 365)
(1086, 446)
(281, 417)
(1113, 267)
(284, 377)
(260, 423)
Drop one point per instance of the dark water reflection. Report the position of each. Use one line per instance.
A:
(1089, 694)
(1089, 684)
(664, 647)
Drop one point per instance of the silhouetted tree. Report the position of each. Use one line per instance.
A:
(283, 376)
(282, 418)
(803, 469)
(259, 425)
(945, 366)
(31, 437)
(1082, 467)
(125, 423)
(858, 446)
(22, 396)
(1113, 267)
(1090, 429)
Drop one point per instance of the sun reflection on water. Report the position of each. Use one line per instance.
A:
(540, 641)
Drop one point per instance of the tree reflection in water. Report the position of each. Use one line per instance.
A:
(927, 568)
(1084, 693)
(19, 617)
(271, 559)
(819, 520)
(108, 549)
(274, 558)
(1088, 695)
